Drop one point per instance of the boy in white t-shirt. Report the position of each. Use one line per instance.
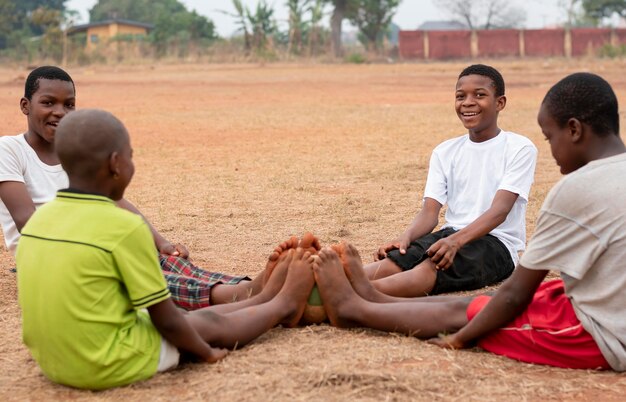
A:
(484, 178)
(577, 321)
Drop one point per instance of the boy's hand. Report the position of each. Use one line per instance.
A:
(448, 342)
(443, 251)
(177, 249)
(400, 244)
(215, 355)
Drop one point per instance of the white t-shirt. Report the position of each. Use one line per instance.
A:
(466, 175)
(19, 162)
(581, 232)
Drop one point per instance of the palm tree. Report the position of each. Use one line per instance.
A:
(317, 13)
(240, 15)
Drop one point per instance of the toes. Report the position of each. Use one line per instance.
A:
(310, 242)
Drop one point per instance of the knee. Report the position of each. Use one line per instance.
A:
(456, 313)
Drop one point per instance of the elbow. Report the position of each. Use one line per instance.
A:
(500, 217)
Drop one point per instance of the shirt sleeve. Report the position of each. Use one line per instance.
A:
(520, 172)
(136, 258)
(436, 183)
(11, 165)
(561, 242)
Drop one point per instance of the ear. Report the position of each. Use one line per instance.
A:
(500, 103)
(25, 106)
(114, 164)
(575, 129)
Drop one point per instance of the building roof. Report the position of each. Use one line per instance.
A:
(442, 26)
(84, 27)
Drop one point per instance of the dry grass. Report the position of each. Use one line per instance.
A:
(231, 159)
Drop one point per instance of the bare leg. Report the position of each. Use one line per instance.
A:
(381, 269)
(221, 294)
(242, 326)
(353, 267)
(271, 289)
(414, 283)
(345, 308)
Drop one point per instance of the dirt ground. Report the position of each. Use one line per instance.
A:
(232, 159)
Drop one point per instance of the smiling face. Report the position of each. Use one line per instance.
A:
(477, 106)
(563, 140)
(47, 106)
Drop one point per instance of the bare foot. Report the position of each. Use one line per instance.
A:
(310, 243)
(335, 289)
(353, 267)
(274, 257)
(276, 281)
(298, 285)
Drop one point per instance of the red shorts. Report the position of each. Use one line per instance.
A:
(547, 332)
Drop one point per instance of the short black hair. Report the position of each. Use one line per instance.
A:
(486, 71)
(46, 73)
(85, 139)
(586, 97)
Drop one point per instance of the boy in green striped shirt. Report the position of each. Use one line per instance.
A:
(87, 272)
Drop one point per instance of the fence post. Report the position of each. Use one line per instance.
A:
(426, 46)
(614, 41)
(522, 44)
(567, 45)
(474, 44)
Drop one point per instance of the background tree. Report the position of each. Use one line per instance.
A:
(25, 8)
(340, 9)
(49, 22)
(242, 23)
(372, 18)
(599, 9)
(484, 14)
(263, 24)
(576, 15)
(16, 23)
(7, 21)
(257, 26)
(297, 25)
(316, 10)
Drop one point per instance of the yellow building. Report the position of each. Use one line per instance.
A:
(103, 34)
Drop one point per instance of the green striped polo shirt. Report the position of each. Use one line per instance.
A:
(84, 269)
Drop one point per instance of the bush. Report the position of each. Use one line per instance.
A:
(356, 58)
(611, 52)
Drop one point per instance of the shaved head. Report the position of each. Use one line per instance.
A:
(85, 140)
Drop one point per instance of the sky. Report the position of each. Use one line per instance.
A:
(411, 13)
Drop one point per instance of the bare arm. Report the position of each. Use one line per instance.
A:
(172, 325)
(423, 223)
(510, 300)
(18, 202)
(162, 244)
(443, 251)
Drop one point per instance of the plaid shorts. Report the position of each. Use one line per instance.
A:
(189, 285)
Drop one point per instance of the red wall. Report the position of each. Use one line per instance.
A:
(411, 44)
(449, 44)
(586, 40)
(620, 33)
(544, 42)
(499, 42)
(493, 43)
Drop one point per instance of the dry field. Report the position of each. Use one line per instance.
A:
(232, 159)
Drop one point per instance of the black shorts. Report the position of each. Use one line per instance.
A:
(481, 263)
